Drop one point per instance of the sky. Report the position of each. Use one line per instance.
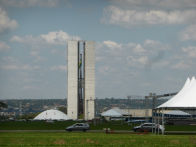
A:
(141, 46)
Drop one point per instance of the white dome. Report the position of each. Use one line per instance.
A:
(115, 112)
(52, 115)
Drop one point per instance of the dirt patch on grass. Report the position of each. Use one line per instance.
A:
(17, 141)
(132, 140)
(91, 141)
(88, 141)
(42, 143)
(175, 141)
(117, 142)
(192, 140)
(60, 141)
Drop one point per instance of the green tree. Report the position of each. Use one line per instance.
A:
(3, 105)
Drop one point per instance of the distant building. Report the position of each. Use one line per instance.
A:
(126, 113)
(81, 80)
(139, 112)
(9, 114)
(114, 114)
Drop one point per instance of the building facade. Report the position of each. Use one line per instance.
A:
(81, 80)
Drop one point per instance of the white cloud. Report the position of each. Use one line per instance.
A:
(111, 44)
(137, 61)
(9, 59)
(11, 63)
(139, 49)
(52, 42)
(154, 45)
(35, 54)
(3, 46)
(164, 4)
(52, 38)
(59, 68)
(28, 39)
(108, 47)
(182, 65)
(189, 33)
(30, 3)
(105, 70)
(5, 22)
(17, 39)
(190, 51)
(59, 37)
(138, 55)
(18, 67)
(151, 43)
(130, 17)
(184, 59)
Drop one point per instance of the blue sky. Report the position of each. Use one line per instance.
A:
(142, 46)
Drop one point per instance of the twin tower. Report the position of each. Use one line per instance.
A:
(81, 80)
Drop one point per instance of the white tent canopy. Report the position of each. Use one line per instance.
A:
(52, 115)
(176, 112)
(114, 113)
(185, 99)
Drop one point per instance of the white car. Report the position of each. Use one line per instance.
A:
(147, 127)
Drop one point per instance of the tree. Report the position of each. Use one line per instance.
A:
(3, 105)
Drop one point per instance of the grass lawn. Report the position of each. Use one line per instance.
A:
(36, 125)
(59, 125)
(115, 125)
(94, 139)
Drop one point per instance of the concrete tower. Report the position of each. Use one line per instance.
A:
(81, 80)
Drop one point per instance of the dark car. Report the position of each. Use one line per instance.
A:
(78, 127)
(147, 127)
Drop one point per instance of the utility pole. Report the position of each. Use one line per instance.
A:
(154, 102)
(20, 109)
(129, 103)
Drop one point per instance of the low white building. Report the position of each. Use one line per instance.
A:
(138, 112)
(114, 114)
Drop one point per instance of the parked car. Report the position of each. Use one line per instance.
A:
(147, 127)
(78, 127)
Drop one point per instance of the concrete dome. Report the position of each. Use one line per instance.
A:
(52, 115)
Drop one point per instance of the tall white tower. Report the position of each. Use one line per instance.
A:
(81, 80)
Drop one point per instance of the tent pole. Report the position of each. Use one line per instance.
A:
(155, 131)
(163, 121)
(152, 120)
(158, 120)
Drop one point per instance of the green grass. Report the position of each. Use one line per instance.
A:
(180, 128)
(36, 125)
(114, 125)
(58, 125)
(94, 139)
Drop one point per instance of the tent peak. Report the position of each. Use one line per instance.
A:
(185, 98)
(193, 78)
